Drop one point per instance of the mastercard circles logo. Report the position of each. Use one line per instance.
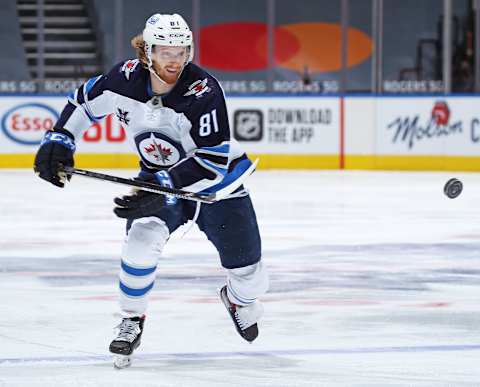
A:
(242, 46)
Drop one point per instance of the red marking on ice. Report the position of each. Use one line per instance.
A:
(434, 305)
(115, 297)
(204, 300)
(338, 302)
(48, 274)
(97, 298)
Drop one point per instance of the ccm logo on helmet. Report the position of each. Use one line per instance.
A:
(27, 123)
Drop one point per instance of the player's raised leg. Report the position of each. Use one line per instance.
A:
(231, 225)
(240, 297)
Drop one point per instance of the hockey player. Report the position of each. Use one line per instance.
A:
(175, 116)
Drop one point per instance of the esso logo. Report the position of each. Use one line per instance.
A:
(27, 123)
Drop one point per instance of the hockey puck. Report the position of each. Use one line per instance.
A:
(453, 188)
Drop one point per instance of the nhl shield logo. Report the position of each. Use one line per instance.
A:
(248, 125)
(198, 88)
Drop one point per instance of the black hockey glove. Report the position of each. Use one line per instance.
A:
(143, 203)
(56, 150)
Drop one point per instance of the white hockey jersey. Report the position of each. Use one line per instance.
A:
(185, 131)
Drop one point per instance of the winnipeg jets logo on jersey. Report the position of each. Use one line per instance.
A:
(198, 88)
(129, 67)
(158, 150)
(122, 116)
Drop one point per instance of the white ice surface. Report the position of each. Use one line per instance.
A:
(375, 280)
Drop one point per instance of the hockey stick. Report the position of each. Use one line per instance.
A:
(155, 188)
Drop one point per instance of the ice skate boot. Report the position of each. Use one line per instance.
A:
(128, 339)
(244, 317)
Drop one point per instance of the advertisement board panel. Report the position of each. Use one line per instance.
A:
(303, 132)
(275, 125)
(428, 126)
(23, 121)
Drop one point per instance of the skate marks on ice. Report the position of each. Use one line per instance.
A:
(278, 357)
(158, 371)
(335, 367)
(411, 266)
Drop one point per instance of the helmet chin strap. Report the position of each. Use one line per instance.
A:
(152, 71)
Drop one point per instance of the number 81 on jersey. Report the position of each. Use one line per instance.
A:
(206, 122)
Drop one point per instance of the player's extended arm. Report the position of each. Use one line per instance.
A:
(58, 145)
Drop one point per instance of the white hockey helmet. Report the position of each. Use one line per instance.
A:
(167, 30)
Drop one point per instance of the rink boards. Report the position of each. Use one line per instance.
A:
(301, 132)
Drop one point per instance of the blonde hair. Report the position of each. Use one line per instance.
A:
(138, 44)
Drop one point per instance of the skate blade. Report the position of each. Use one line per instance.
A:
(122, 361)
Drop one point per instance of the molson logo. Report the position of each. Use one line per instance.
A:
(27, 123)
(411, 130)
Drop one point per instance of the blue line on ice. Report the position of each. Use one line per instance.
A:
(212, 355)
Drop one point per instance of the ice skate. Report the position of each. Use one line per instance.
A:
(244, 317)
(128, 339)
